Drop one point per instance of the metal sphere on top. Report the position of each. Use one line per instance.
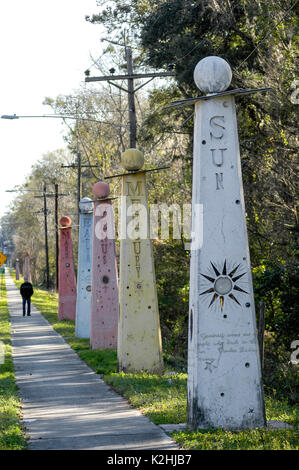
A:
(101, 190)
(65, 221)
(132, 159)
(85, 205)
(212, 74)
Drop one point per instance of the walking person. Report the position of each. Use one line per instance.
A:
(26, 291)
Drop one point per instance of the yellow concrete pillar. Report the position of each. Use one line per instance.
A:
(139, 335)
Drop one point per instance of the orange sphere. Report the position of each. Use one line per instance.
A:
(65, 221)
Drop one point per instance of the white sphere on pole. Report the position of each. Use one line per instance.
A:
(86, 205)
(212, 74)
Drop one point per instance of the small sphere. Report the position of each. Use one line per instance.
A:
(101, 190)
(85, 205)
(212, 74)
(132, 159)
(65, 221)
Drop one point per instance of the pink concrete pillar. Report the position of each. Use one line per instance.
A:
(104, 290)
(17, 270)
(67, 278)
(27, 270)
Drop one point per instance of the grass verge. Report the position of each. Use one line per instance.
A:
(12, 436)
(163, 398)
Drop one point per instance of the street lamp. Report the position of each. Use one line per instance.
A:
(60, 116)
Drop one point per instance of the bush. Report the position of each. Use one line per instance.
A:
(281, 377)
(278, 286)
(172, 276)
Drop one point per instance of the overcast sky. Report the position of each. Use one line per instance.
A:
(45, 47)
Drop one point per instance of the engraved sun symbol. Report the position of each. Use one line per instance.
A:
(224, 284)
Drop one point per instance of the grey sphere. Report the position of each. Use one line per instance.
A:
(212, 74)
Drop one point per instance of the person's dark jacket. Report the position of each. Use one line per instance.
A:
(26, 290)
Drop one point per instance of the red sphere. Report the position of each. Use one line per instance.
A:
(101, 190)
(65, 221)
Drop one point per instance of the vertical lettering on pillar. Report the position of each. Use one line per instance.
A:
(104, 250)
(135, 191)
(216, 134)
(218, 156)
(137, 249)
(66, 245)
(219, 181)
(214, 125)
(86, 238)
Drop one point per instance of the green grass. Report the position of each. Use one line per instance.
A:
(258, 439)
(12, 436)
(163, 397)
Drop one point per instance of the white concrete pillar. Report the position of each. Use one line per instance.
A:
(224, 373)
(83, 302)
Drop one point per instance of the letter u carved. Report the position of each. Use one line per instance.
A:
(218, 160)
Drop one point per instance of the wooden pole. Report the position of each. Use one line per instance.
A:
(46, 236)
(131, 99)
(56, 234)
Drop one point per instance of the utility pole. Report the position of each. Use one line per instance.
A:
(79, 163)
(46, 236)
(131, 99)
(56, 233)
(45, 212)
(56, 195)
(79, 167)
(130, 77)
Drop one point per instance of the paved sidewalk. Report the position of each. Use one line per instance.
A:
(65, 404)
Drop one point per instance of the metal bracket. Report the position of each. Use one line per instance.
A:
(134, 172)
(237, 91)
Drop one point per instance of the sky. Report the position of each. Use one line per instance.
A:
(45, 47)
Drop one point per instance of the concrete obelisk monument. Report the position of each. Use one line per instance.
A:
(17, 269)
(83, 303)
(27, 269)
(104, 293)
(139, 336)
(67, 277)
(224, 373)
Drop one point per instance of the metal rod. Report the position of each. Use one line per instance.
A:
(237, 91)
(138, 171)
(132, 76)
